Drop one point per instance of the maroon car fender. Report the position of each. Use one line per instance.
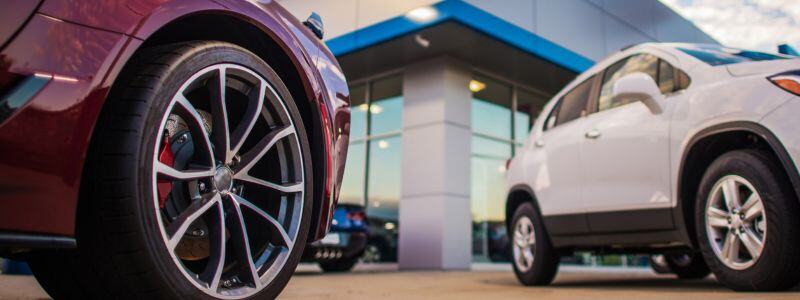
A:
(322, 78)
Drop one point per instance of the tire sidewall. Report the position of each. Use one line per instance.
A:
(540, 267)
(180, 70)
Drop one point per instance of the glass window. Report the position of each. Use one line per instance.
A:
(358, 112)
(384, 178)
(666, 77)
(352, 190)
(487, 193)
(386, 105)
(644, 63)
(373, 168)
(717, 55)
(491, 108)
(529, 105)
(573, 104)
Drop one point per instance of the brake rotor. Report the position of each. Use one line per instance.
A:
(197, 244)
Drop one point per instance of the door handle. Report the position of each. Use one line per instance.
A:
(592, 134)
(539, 143)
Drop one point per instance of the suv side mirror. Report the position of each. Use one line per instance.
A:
(640, 87)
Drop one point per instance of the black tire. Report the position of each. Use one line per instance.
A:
(120, 253)
(339, 265)
(687, 266)
(545, 258)
(776, 268)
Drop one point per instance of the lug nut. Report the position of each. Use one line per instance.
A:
(202, 187)
(183, 138)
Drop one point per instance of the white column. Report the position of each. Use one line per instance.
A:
(435, 217)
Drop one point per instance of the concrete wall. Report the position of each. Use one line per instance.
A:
(592, 28)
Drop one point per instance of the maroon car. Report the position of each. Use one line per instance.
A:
(166, 148)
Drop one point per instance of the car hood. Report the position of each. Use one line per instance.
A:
(763, 67)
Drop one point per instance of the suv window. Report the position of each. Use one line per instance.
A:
(671, 79)
(644, 63)
(571, 106)
(666, 77)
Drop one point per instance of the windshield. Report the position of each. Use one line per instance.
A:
(715, 55)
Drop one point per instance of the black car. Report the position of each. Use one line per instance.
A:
(340, 250)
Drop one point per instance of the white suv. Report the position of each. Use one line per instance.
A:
(685, 150)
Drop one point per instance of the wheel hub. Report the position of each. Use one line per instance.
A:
(223, 179)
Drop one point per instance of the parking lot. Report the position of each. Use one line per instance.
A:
(484, 282)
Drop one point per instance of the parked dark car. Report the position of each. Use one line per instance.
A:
(340, 250)
(166, 148)
(382, 241)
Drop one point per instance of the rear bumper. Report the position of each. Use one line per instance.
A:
(351, 244)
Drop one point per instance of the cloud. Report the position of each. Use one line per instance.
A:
(752, 24)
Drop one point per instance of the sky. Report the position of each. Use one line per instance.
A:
(750, 24)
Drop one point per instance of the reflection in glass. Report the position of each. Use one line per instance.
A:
(358, 112)
(386, 105)
(487, 192)
(384, 178)
(529, 105)
(491, 109)
(352, 190)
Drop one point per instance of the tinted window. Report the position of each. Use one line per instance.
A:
(666, 77)
(644, 63)
(573, 104)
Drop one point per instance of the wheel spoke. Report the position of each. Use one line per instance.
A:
(752, 243)
(717, 217)
(169, 173)
(284, 237)
(753, 207)
(196, 125)
(254, 105)
(285, 188)
(241, 243)
(216, 263)
(528, 257)
(730, 248)
(250, 158)
(220, 135)
(731, 194)
(178, 227)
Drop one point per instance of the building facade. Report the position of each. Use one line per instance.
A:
(444, 93)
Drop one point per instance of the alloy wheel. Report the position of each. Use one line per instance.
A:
(228, 181)
(524, 245)
(736, 222)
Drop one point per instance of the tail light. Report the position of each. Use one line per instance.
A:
(789, 81)
(356, 216)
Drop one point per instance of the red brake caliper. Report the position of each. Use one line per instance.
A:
(165, 157)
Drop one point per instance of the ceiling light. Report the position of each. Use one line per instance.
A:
(374, 109)
(422, 14)
(476, 86)
(383, 144)
(363, 107)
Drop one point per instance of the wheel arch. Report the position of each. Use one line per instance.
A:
(710, 143)
(518, 195)
(288, 62)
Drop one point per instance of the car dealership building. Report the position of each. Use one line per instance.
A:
(444, 92)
